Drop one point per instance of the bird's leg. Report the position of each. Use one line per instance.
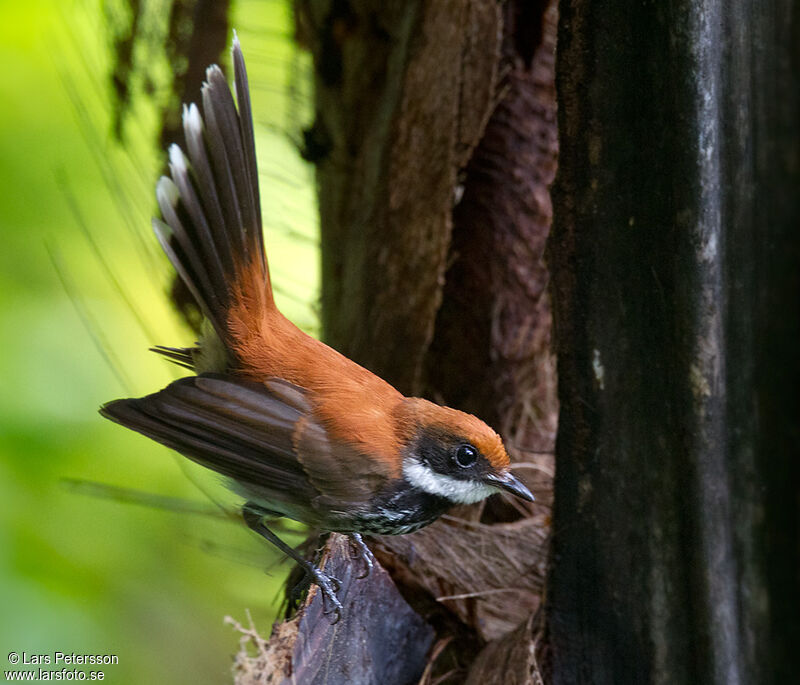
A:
(364, 553)
(253, 516)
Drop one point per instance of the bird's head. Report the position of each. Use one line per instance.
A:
(455, 455)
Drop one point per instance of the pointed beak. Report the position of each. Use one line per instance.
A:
(510, 483)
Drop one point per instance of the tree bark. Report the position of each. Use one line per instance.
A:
(675, 252)
(388, 103)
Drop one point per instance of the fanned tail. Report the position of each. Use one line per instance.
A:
(211, 212)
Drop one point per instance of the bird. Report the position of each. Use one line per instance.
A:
(292, 426)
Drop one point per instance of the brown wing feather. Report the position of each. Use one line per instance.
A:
(340, 473)
(264, 436)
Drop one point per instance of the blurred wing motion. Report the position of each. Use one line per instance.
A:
(167, 503)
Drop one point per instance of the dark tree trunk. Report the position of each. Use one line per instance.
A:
(675, 259)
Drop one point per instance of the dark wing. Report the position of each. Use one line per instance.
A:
(263, 436)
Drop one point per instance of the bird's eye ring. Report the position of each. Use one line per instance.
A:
(465, 455)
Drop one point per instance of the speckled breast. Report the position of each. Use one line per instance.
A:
(401, 510)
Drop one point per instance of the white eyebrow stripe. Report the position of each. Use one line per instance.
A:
(457, 491)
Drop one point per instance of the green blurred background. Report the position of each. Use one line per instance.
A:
(81, 573)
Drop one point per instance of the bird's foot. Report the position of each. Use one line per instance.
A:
(363, 553)
(328, 586)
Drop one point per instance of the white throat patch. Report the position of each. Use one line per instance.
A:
(457, 491)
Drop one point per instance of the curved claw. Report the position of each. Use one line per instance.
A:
(364, 553)
(329, 587)
(337, 614)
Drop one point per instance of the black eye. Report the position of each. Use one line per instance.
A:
(466, 455)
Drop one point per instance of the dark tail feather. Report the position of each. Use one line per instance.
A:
(182, 356)
(211, 212)
(248, 138)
